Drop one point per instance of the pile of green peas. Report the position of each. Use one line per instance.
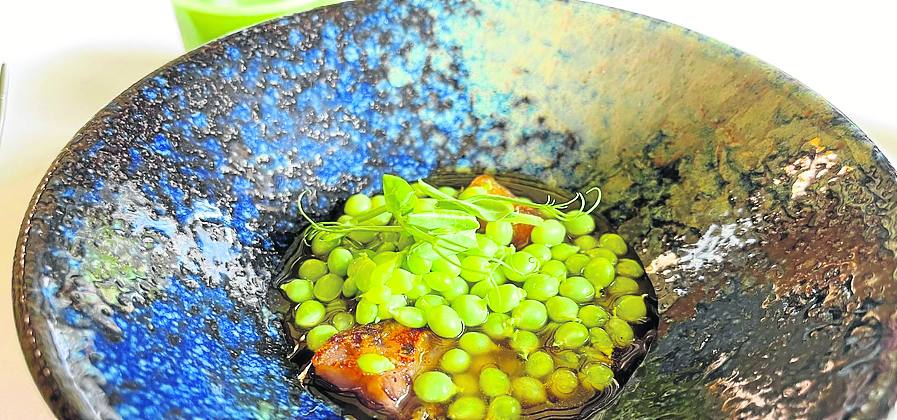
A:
(559, 306)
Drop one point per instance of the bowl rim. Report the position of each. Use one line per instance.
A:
(61, 392)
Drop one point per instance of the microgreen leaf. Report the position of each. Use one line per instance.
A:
(457, 242)
(523, 219)
(455, 220)
(399, 194)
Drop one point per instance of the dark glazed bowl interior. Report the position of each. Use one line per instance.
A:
(767, 220)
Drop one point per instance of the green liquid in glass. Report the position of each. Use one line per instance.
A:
(201, 21)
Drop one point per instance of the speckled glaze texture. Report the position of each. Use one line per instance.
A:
(142, 280)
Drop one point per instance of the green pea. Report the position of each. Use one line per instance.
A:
(539, 364)
(602, 253)
(467, 408)
(519, 265)
(394, 303)
(504, 407)
(438, 281)
(379, 274)
(360, 264)
(504, 298)
(476, 343)
(623, 286)
(349, 289)
(529, 391)
(338, 261)
(374, 364)
(458, 287)
(312, 269)
(613, 242)
(619, 331)
(561, 309)
(298, 290)
(322, 244)
(328, 288)
(598, 376)
(444, 321)
(601, 341)
(579, 223)
(498, 326)
(378, 294)
(410, 317)
(434, 387)
(540, 251)
(554, 268)
(550, 232)
(357, 204)
(342, 321)
(600, 272)
(455, 361)
(586, 242)
(529, 315)
(418, 289)
(500, 232)
(365, 312)
(485, 247)
(363, 237)
(496, 276)
(310, 313)
(524, 342)
(418, 264)
(451, 265)
(475, 268)
(317, 336)
(571, 335)
(481, 289)
(494, 382)
(562, 251)
(363, 281)
(578, 289)
(576, 263)
(630, 308)
(471, 309)
(629, 268)
(541, 286)
(401, 281)
(562, 383)
(593, 316)
(427, 302)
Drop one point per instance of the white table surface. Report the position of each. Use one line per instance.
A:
(67, 59)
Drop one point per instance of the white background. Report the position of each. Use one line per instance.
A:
(67, 59)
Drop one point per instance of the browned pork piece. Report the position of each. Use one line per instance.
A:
(411, 350)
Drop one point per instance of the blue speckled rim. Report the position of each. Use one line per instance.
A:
(202, 162)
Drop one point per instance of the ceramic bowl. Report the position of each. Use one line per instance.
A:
(142, 278)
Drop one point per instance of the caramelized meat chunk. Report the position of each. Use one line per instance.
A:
(409, 349)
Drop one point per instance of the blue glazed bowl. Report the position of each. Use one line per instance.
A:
(142, 279)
